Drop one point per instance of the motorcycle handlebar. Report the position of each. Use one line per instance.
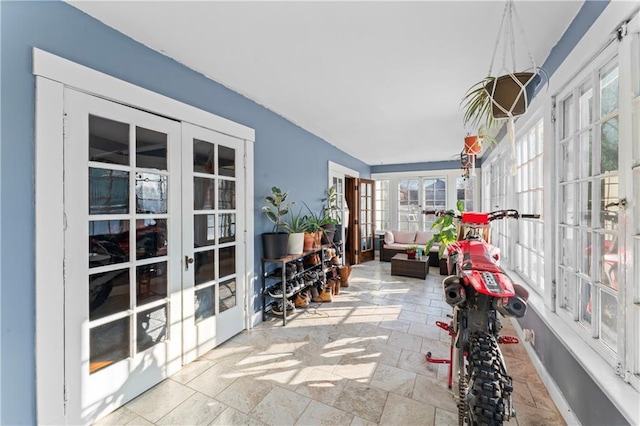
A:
(498, 214)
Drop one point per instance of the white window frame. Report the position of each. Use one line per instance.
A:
(449, 174)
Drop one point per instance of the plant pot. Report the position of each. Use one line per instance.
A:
(411, 254)
(472, 145)
(444, 268)
(311, 240)
(509, 95)
(337, 237)
(328, 233)
(296, 243)
(274, 244)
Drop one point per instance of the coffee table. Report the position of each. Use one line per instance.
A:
(416, 268)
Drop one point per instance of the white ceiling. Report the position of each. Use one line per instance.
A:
(380, 80)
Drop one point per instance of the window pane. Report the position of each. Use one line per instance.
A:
(609, 146)
(151, 238)
(151, 282)
(227, 194)
(586, 106)
(151, 193)
(609, 319)
(203, 193)
(204, 307)
(609, 92)
(151, 327)
(108, 242)
(108, 141)
(226, 161)
(109, 343)
(204, 267)
(227, 263)
(227, 228)
(585, 303)
(108, 191)
(108, 293)
(227, 295)
(151, 149)
(609, 202)
(203, 157)
(203, 230)
(567, 117)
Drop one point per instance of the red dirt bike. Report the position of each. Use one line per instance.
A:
(478, 289)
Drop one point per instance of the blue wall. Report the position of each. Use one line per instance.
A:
(285, 155)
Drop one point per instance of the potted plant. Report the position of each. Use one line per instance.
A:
(504, 96)
(274, 244)
(474, 144)
(446, 233)
(412, 250)
(330, 219)
(313, 229)
(296, 226)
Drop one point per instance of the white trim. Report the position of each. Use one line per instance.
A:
(99, 84)
(52, 75)
(339, 169)
(49, 240)
(249, 240)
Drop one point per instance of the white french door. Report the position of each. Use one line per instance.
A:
(213, 199)
(157, 203)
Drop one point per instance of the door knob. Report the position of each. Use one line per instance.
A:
(187, 261)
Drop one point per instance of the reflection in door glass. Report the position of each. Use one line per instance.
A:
(204, 299)
(108, 191)
(151, 238)
(108, 141)
(203, 193)
(109, 343)
(227, 261)
(151, 193)
(203, 230)
(108, 293)
(151, 327)
(204, 266)
(203, 157)
(151, 282)
(151, 149)
(108, 242)
(226, 161)
(227, 194)
(227, 295)
(227, 228)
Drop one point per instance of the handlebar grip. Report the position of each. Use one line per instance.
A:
(530, 216)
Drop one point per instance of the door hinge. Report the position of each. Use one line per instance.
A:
(244, 160)
(621, 31)
(553, 114)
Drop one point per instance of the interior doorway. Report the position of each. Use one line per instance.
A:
(360, 230)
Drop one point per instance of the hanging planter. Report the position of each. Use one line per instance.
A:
(472, 145)
(507, 93)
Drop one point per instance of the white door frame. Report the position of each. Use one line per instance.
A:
(53, 74)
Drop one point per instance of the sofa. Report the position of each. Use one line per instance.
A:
(395, 242)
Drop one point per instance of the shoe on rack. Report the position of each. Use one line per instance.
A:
(300, 301)
(275, 291)
(276, 308)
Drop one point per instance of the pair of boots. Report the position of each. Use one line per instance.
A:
(322, 294)
(302, 300)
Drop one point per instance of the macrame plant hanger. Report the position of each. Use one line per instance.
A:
(508, 39)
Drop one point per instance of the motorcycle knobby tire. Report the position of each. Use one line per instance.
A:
(488, 391)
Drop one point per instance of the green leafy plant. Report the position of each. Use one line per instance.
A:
(412, 247)
(477, 105)
(330, 207)
(446, 231)
(312, 220)
(277, 208)
(296, 222)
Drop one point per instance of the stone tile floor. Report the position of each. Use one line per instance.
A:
(359, 360)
